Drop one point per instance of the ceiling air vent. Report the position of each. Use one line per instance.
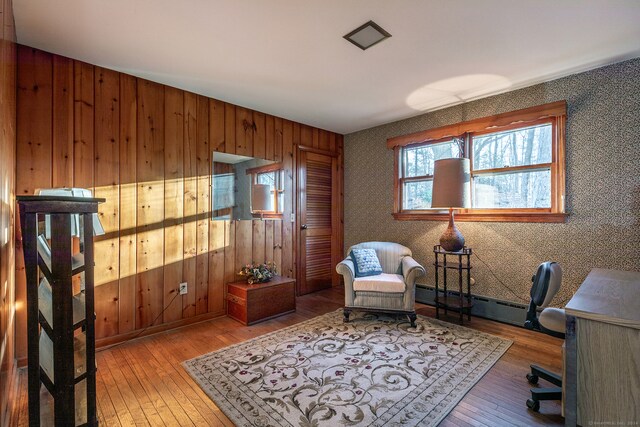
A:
(367, 35)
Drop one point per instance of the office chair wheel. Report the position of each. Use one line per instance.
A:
(533, 379)
(534, 405)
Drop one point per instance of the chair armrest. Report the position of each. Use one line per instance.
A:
(348, 272)
(346, 269)
(411, 270)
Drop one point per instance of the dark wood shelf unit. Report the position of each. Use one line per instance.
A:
(60, 325)
(446, 299)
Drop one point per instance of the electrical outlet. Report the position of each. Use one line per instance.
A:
(182, 288)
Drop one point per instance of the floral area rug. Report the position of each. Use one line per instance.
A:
(373, 371)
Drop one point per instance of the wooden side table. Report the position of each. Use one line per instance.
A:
(250, 304)
(462, 302)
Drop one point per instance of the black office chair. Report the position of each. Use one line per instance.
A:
(552, 321)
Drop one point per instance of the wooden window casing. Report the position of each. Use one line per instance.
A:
(278, 171)
(553, 114)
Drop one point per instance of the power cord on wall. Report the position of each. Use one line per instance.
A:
(500, 281)
(148, 326)
(526, 301)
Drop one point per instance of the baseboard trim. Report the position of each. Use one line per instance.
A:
(104, 343)
(489, 308)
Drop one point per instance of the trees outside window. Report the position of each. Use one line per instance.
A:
(418, 164)
(512, 169)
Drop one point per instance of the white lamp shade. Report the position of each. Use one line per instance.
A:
(451, 183)
(261, 198)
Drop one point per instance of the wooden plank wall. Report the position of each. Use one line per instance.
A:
(147, 148)
(8, 375)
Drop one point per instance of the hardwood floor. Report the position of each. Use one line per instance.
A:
(141, 382)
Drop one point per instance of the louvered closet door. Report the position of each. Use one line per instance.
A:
(318, 196)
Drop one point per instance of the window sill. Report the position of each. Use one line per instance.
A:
(266, 215)
(484, 217)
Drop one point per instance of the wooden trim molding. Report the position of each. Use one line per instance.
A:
(266, 168)
(496, 171)
(267, 215)
(317, 151)
(485, 217)
(107, 342)
(553, 113)
(553, 109)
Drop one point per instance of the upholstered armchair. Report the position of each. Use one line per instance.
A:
(392, 291)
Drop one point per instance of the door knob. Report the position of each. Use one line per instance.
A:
(304, 226)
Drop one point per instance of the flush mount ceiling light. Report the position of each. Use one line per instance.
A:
(367, 35)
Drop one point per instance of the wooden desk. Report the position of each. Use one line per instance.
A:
(602, 366)
(251, 304)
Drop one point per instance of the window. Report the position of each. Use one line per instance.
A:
(273, 176)
(417, 175)
(512, 169)
(274, 180)
(517, 166)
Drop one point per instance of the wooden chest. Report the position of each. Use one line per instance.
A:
(251, 304)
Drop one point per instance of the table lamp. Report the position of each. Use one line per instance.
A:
(452, 190)
(261, 199)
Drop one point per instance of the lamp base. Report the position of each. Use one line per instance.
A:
(452, 239)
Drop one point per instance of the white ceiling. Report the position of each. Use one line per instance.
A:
(288, 57)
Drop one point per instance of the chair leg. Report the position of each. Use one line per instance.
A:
(538, 394)
(412, 319)
(346, 312)
(551, 393)
(537, 371)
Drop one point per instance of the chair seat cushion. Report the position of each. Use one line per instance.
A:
(553, 319)
(388, 283)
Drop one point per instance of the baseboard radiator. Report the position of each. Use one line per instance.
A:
(490, 308)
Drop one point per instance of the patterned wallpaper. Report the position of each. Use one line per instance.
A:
(603, 188)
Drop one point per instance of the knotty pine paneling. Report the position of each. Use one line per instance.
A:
(62, 122)
(244, 132)
(147, 148)
(106, 166)
(203, 182)
(230, 128)
(83, 119)
(244, 243)
(8, 308)
(189, 227)
(257, 246)
(270, 138)
(128, 204)
(33, 154)
(230, 251)
(259, 135)
(150, 205)
(173, 201)
(216, 125)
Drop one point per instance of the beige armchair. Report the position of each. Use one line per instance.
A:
(392, 291)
